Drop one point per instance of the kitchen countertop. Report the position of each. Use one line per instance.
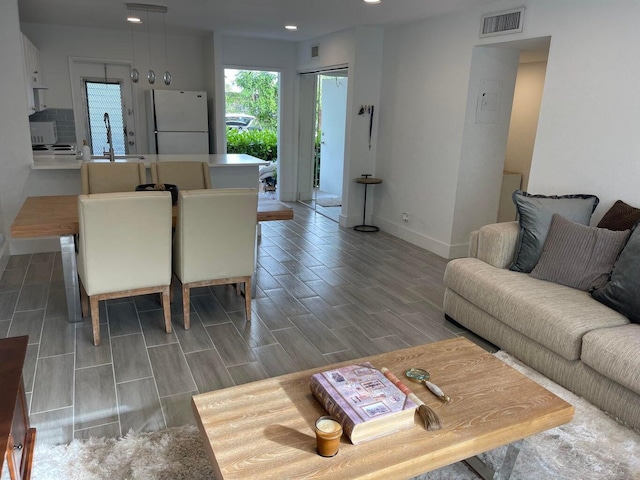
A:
(62, 162)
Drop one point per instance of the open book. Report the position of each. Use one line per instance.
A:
(364, 401)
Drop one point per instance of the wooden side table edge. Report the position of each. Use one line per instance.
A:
(27, 462)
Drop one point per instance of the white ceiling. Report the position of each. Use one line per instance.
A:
(256, 18)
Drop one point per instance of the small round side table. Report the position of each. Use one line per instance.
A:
(366, 180)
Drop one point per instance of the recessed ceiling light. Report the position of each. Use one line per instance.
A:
(372, 1)
(134, 20)
(291, 27)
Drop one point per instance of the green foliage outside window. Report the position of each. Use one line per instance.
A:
(258, 96)
(261, 144)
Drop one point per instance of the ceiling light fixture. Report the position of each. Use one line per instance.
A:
(143, 7)
(291, 27)
(373, 2)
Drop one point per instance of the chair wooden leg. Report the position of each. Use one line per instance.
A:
(166, 306)
(247, 298)
(84, 301)
(95, 320)
(238, 292)
(186, 307)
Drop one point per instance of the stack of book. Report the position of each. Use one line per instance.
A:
(364, 401)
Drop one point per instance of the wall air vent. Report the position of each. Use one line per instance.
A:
(502, 23)
(315, 51)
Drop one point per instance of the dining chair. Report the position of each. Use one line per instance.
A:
(112, 177)
(186, 175)
(214, 241)
(124, 249)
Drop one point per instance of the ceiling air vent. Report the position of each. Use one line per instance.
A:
(502, 23)
(315, 51)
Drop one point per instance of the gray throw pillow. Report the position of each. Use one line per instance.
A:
(622, 291)
(534, 215)
(579, 256)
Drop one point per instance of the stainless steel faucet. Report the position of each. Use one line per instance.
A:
(110, 153)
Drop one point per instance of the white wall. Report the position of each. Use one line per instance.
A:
(587, 131)
(15, 142)
(425, 83)
(334, 50)
(524, 119)
(587, 138)
(484, 142)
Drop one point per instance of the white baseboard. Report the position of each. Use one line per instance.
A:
(442, 249)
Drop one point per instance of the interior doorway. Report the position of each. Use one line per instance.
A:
(523, 125)
(320, 183)
(99, 88)
(492, 78)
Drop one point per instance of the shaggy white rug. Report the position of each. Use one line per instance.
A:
(592, 446)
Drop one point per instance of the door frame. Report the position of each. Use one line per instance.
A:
(78, 104)
(307, 112)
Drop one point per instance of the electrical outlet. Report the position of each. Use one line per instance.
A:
(405, 217)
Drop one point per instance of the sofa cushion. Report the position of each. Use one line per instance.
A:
(553, 315)
(615, 353)
(620, 217)
(534, 217)
(622, 291)
(579, 256)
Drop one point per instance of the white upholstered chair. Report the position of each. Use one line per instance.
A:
(214, 241)
(186, 175)
(111, 177)
(124, 249)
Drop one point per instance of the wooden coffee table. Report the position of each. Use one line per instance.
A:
(265, 429)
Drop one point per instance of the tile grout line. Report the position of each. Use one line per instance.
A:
(153, 374)
(113, 365)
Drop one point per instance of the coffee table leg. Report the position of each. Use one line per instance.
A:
(504, 471)
(70, 274)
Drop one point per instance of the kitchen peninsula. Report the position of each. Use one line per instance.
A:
(227, 169)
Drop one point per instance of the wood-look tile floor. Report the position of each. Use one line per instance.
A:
(324, 294)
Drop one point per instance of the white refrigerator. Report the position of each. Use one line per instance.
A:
(178, 122)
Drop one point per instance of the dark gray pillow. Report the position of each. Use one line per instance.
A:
(579, 256)
(534, 215)
(622, 293)
(620, 217)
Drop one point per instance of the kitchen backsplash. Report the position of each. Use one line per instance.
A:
(64, 121)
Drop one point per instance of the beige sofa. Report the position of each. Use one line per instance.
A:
(562, 332)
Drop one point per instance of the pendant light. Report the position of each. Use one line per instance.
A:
(151, 75)
(167, 76)
(135, 74)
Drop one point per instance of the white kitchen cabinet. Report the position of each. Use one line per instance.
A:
(33, 76)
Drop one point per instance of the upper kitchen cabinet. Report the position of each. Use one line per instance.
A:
(33, 76)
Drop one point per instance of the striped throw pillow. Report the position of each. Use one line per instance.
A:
(579, 256)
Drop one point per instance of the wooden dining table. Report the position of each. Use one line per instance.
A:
(57, 215)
